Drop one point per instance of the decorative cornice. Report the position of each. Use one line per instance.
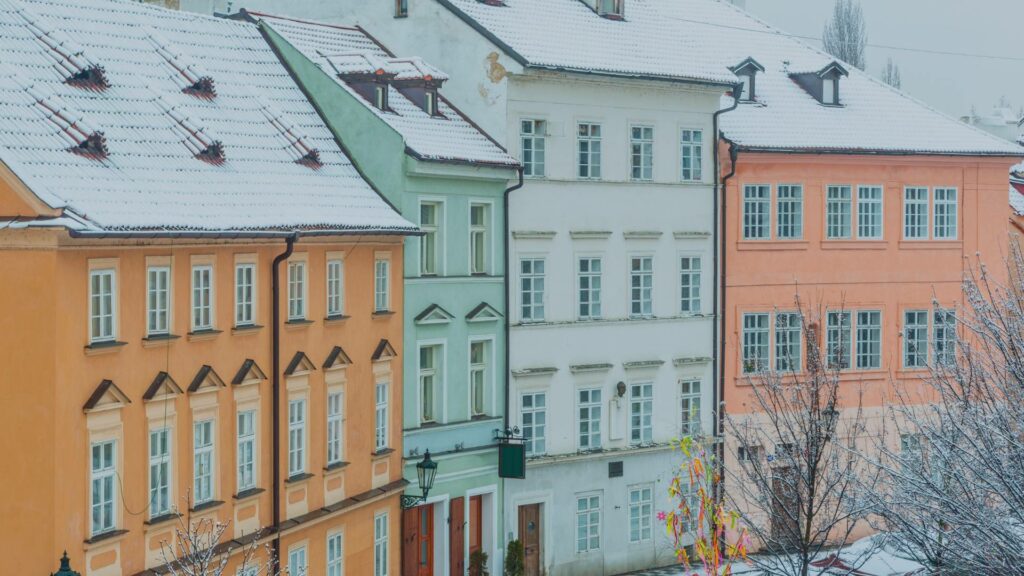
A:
(590, 234)
(642, 234)
(691, 361)
(578, 368)
(533, 234)
(642, 364)
(691, 234)
(534, 372)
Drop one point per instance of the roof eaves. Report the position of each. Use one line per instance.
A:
(871, 151)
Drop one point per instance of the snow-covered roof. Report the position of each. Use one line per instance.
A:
(133, 118)
(703, 40)
(1017, 196)
(342, 49)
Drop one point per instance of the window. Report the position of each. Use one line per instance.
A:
(296, 437)
(788, 346)
(829, 94)
(944, 335)
(837, 340)
(380, 96)
(296, 290)
(380, 545)
(945, 214)
(101, 306)
(202, 298)
(202, 469)
(250, 569)
(335, 556)
(641, 408)
(479, 241)
(915, 338)
(588, 523)
(691, 152)
(790, 225)
(246, 450)
(531, 277)
(158, 279)
(477, 377)
(401, 8)
(588, 139)
(756, 212)
(755, 343)
(159, 472)
(430, 224)
(641, 283)
(335, 288)
(104, 470)
(612, 8)
(589, 280)
(381, 285)
(869, 212)
(534, 410)
(430, 102)
(749, 454)
(641, 156)
(837, 212)
(590, 419)
(641, 503)
(915, 213)
(380, 437)
(689, 285)
(297, 561)
(531, 134)
(689, 393)
(430, 360)
(748, 87)
(334, 430)
(869, 339)
(245, 282)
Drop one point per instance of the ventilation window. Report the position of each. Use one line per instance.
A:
(187, 74)
(198, 142)
(66, 55)
(297, 143)
(417, 81)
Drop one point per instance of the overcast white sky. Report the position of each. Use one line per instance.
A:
(950, 83)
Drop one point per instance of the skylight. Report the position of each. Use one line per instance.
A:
(67, 55)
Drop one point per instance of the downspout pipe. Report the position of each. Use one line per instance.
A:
(275, 279)
(508, 298)
(734, 155)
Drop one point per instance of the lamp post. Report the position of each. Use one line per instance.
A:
(426, 469)
(65, 567)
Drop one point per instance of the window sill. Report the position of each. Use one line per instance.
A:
(752, 245)
(97, 348)
(297, 324)
(336, 467)
(931, 245)
(106, 537)
(246, 329)
(382, 453)
(336, 319)
(159, 340)
(854, 245)
(161, 519)
(383, 314)
(203, 335)
(208, 505)
(298, 478)
(248, 493)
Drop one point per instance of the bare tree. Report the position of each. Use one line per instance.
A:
(891, 74)
(953, 494)
(798, 478)
(199, 548)
(846, 35)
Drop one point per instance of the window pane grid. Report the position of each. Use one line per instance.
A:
(756, 212)
(531, 278)
(532, 134)
(689, 284)
(101, 306)
(588, 523)
(915, 339)
(103, 475)
(157, 300)
(477, 377)
(755, 343)
(246, 450)
(534, 416)
(589, 419)
(641, 409)
(381, 417)
(381, 281)
(641, 503)
(641, 287)
(202, 298)
(335, 288)
(869, 339)
(478, 238)
(297, 291)
(915, 213)
(689, 393)
(837, 340)
(589, 280)
(202, 438)
(837, 212)
(945, 214)
(790, 212)
(588, 140)
(869, 212)
(642, 153)
(788, 344)
(244, 289)
(691, 150)
(159, 472)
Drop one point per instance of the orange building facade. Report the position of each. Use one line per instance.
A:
(139, 408)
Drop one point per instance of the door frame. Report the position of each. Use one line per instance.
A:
(497, 550)
(542, 526)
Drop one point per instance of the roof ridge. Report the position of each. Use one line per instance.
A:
(303, 21)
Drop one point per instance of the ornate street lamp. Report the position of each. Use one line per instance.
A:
(65, 567)
(426, 469)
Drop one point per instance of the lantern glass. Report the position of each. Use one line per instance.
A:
(425, 472)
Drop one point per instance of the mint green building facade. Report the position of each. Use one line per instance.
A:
(443, 173)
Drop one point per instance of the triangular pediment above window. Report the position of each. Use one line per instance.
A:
(748, 66)
(483, 312)
(162, 388)
(434, 314)
(107, 396)
(249, 373)
(384, 352)
(300, 364)
(206, 380)
(832, 70)
(336, 359)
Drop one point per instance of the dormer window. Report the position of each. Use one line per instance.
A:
(830, 91)
(380, 96)
(612, 9)
(430, 102)
(823, 84)
(747, 71)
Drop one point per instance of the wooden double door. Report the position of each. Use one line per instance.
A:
(419, 533)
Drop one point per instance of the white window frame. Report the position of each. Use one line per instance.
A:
(335, 275)
(839, 339)
(158, 300)
(335, 427)
(945, 224)
(915, 226)
(432, 374)
(788, 346)
(298, 561)
(432, 241)
(944, 335)
(479, 376)
(828, 91)
(480, 239)
(532, 311)
(335, 554)
(870, 212)
(245, 294)
(536, 442)
(103, 488)
(529, 138)
(641, 413)
(203, 451)
(690, 407)
(839, 212)
(752, 360)
(691, 147)
(102, 306)
(915, 338)
(381, 284)
(381, 425)
(588, 287)
(757, 212)
(641, 152)
(588, 150)
(868, 340)
(381, 561)
(246, 449)
(296, 437)
(789, 211)
(588, 520)
(160, 472)
(690, 280)
(203, 316)
(641, 295)
(641, 513)
(297, 285)
(589, 413)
